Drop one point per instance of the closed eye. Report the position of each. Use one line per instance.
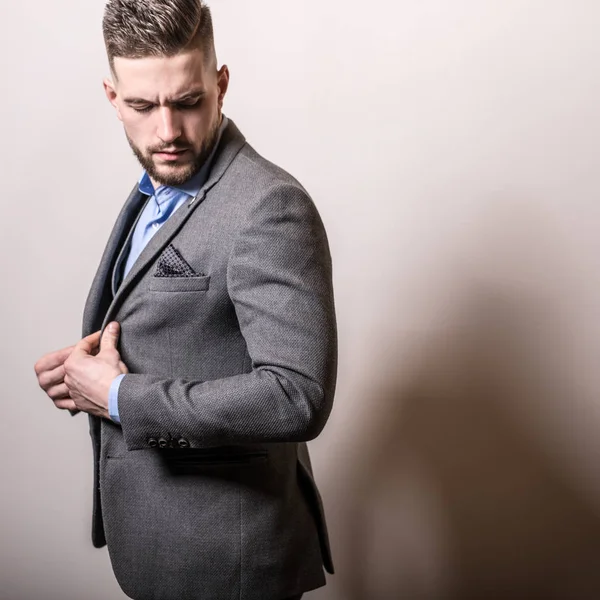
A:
(143, 109)
(188, 105)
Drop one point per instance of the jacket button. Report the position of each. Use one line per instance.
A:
(162, 443)
(183, 443)
(152, 442)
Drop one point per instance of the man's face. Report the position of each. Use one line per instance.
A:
(171, 111)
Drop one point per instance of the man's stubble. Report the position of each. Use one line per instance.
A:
(182, 173)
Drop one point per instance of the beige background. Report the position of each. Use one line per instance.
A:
(452, 148)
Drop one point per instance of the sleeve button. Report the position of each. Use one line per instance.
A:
(162, 443)
(152, 442)
(183, 443)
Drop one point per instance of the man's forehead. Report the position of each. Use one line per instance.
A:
(161, 75)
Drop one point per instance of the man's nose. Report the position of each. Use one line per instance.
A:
(169, 128)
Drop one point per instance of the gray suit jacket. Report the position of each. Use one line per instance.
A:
(205, 491)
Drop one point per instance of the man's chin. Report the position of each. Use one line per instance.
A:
(172, 174)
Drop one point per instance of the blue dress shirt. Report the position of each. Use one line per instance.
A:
(163, 202)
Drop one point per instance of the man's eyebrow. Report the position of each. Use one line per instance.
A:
(186, 96)
(189, 96)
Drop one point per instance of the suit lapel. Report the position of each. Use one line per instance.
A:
(100, 293)
(231, 143)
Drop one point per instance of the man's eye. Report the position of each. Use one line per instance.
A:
(143, 109)
(188, 105)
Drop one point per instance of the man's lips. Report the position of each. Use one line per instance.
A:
(170, 155)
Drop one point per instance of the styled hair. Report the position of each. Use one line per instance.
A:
(141, 28)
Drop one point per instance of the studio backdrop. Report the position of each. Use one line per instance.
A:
(452, 148)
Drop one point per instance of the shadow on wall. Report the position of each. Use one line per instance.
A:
(463, 488)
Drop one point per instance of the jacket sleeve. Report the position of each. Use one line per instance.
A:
(279, 280)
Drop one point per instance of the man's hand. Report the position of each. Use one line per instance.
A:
(87, 377)
(50, 371)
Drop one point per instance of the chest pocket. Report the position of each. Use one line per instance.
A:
(200, 283)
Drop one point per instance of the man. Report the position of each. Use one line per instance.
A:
(209, 354)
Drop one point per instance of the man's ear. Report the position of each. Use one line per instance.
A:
(111, 94)
(223, 83)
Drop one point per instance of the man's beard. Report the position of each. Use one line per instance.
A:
(180, 173)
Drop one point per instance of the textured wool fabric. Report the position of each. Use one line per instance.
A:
(206, 490)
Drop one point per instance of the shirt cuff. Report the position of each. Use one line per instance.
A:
(113, 397)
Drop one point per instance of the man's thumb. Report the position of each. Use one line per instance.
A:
(110, 336)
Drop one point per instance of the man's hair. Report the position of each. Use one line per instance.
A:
(141, 28)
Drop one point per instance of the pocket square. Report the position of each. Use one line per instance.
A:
(172, 264)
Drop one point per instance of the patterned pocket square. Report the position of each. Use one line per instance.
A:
(172, 264)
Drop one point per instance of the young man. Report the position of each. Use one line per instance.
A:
(209, 355)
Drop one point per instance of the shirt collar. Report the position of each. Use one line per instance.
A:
(193, 185)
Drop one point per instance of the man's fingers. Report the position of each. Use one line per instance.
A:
(47, 379)
(52, 360)
(59, 392)
(110, 337)
(93, 338)
(65, 404)
(88, 344)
